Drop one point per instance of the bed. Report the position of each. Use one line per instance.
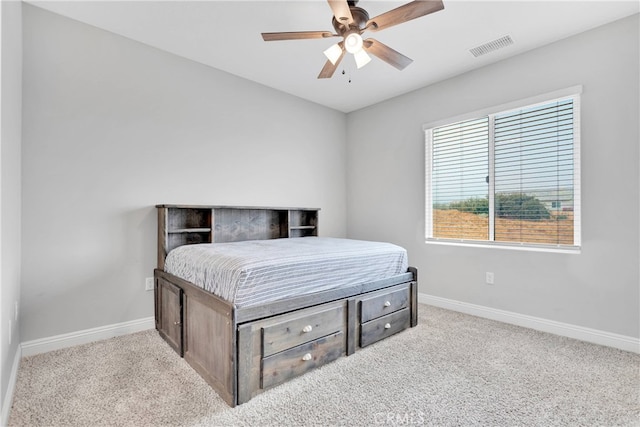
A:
(252, 296)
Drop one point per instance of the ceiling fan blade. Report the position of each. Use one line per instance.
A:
(404, 13)
(297, 35)
(341, 11)
(329, 68)
(387, 54)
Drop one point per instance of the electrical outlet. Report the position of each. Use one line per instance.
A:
(489, 278)
(15, 316)
(148, 284)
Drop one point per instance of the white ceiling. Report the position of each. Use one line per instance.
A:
(226, 35)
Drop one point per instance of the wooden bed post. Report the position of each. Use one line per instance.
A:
(414, 296)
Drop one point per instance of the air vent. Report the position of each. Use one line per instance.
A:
(491, 46)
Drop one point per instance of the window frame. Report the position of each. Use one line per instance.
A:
(573, 92)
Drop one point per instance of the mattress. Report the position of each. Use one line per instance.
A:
(258, 271)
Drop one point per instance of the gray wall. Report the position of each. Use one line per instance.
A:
(10, 190)
(598, 288)
(113, 127)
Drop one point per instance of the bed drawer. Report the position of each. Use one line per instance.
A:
(296, 329)
(383, 303)
(384, 326)
(287, 364)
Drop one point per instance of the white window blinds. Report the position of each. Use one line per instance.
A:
(534, 197)
(460, 170)
(511, 177)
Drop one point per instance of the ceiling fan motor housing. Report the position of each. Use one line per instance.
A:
(360, 18)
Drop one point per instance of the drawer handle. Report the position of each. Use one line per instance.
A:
(387, 303)
(307, 357)
(387, 325)
(307, 328)
(177, 323)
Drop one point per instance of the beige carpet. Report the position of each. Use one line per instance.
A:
(451, 370)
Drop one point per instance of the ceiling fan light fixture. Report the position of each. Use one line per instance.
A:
(353, 42)
(362, 58)
(333, 53)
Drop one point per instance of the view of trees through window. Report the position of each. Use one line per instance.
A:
(533, 169)
(518, 218)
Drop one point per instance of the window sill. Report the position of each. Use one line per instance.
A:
(574, 250)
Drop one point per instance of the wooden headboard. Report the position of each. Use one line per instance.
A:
(184, 225)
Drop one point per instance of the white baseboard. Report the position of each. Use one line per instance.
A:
(595, 336)
(8, 399)
(57, 342)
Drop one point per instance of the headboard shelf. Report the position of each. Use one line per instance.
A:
(180, 225)
(190, 230)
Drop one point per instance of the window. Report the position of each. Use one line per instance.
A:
(507, 177)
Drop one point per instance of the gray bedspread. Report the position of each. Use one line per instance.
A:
(258, 271)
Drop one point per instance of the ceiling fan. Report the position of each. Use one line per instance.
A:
(350, 21)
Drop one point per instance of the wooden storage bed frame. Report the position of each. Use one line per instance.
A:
(241, 352)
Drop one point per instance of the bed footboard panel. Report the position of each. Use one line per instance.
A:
(207, 334)
(169, 313)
